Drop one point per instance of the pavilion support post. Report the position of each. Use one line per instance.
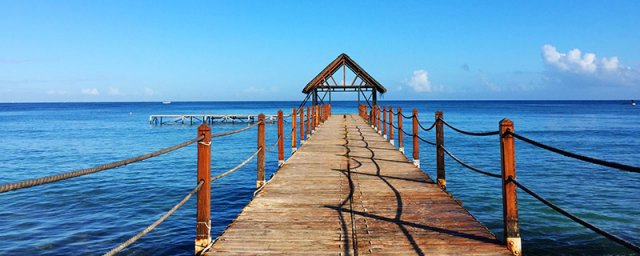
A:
(203, 212)
(509, 193)
(260, 179)
(384, 122)
(416, 144)
(400, 131)
(280, 138)
(442, 181)
(391, 126)
(294, 141)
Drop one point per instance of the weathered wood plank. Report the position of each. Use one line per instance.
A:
(346, 172)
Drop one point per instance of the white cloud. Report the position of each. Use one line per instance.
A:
(576, 67)
(420, 81)
(90, 91)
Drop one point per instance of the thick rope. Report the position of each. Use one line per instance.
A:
(470, 133)
(274, 144)
(426, 141)
(426, 129)
(219, 176)
(469, 166)
(63, 176)
(615, 165)
(584, 223)
(235, 131)
(156, 223)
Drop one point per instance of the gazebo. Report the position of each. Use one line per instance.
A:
(324, 84)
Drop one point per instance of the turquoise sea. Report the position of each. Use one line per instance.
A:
(90, 215)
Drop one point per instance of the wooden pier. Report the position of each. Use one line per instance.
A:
(348, 191)
(191, 119)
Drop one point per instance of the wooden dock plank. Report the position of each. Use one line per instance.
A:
(348, 191)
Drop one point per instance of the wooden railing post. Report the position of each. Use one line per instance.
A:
(294, 140)
(301, 126)
(261, 142)
(400, 133)
(384, 122)
(280, 138)
(203, 214)
(308, 121)
(378, 121)
(371, 115)
(390, 125)
(416, 144)
(442, 181)
(509, 192)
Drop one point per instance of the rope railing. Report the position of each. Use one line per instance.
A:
(222, 134)
(592, 160)
(577, 219)
(203, 242)
(469, 166)
(153, 225)
(426, 141)
(77, 173)
(426, 129)
(469, 133)
(222, 175)
(507, 174)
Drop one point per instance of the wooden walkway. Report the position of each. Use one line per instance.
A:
(347, 191)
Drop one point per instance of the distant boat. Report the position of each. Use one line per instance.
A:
(633, 102)
(166, 102)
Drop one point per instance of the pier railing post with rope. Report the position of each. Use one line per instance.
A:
(301, 126)
(280, 138)
(294, 141)
(391, 126)
(440, 171)
(416, 145)
(509, 197)
(384, 122)
(260, 178)
(400, 131)
(203, 215)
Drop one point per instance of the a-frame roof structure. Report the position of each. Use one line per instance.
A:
(322, 79)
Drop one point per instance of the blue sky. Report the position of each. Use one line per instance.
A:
(268, 50)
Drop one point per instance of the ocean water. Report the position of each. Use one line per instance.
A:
(90, 215)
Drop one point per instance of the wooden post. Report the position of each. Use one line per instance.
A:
(261, 141)
(294, 141)
(203, 214)
(384, 123)
(378, 122)
(308, 121)
(400, 133)
(509, 193)
(372, 114)
(442, 181)
(301, 126)
(390, 125)
(280, 138)
(416, 144)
